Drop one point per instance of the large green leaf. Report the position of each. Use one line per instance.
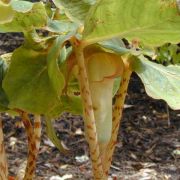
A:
(160, 82)
(76, 10)
(153, 22)
(23, 16)
(27, 82)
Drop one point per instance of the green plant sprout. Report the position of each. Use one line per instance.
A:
(77, 46)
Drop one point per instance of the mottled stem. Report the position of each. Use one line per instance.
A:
(37, 134)
(3, 160)
(89, 121)
(117, 115)
(37, 130)
(32, 149)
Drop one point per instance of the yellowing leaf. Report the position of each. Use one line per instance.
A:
(22, 16)
(76, 10)
(7, 13)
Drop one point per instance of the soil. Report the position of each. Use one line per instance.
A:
(148, 145)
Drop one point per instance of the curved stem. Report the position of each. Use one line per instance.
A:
(89, 121)
(3, 160)
(117, 115)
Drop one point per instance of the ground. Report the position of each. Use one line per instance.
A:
(148, 143)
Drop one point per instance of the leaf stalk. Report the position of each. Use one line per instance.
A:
(33, 143)
(117, 116)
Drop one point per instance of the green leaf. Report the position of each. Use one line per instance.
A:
(61, 27)
(76, 10)
(63, 56)
(21, 6)
(153, 22)
(24, 16)
(116, 85)
(70, 103)
(53, 137)
(27, 82)
(160, 82)
(55, 75)
(54, 72)
(116, 45)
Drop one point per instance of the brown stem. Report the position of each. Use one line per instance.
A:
(37, 130)
(32, 149)
(37, 133)
(3, 160)
(117, 115)
(89, 121)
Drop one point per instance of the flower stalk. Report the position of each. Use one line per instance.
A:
(103, 68)
(89, 119)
